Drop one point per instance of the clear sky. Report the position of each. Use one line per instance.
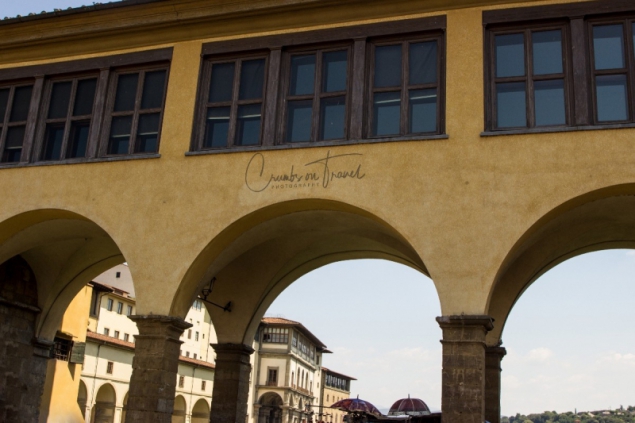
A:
(570, 338)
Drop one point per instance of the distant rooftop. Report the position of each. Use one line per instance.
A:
(281, 321)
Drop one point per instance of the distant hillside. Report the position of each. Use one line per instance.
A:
(621, 415)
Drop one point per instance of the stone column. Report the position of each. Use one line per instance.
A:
(463, 391)
(231, 383)
(154, 369)
(493, 358)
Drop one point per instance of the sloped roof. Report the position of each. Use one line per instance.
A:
(280, 321)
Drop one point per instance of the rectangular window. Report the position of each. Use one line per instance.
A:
(234, 95)
(66, 125)
(116, 335)
(530, 78)
(316, 92)
(405, 78)
(126, 337)
(119, 307)
(272, 377)
(613, 70)
(275, 335)
(181, 381)
(109, 367)
(194, 356)
(15, 102)
(94, 303)
(62, 349)
(135, 111)
(189, 334)
(106, 331)
(129, 311)
(187, 353)
(196, 336)
(203, 385)
(110, 304)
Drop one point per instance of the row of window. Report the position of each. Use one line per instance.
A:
(337, 382)
(126, 337)
(110, 305)
(366, 82)
(275, 335)
(182, 383)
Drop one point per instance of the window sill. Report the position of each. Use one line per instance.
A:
(551, 130)
(337, 143)
(82, 161)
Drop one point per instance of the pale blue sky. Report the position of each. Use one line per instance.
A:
(570, 338)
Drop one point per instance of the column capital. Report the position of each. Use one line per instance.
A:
(463, 320)
(496, 351)
(42, 347)
(157, 320)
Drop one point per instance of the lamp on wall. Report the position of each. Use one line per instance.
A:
(207, 292)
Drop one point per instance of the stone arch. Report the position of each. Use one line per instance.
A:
(105, 401)
(599, 220)
(82, 396)
(270, 248)
(124, 409)
(200, 411)
(180, 409)
(270, 410)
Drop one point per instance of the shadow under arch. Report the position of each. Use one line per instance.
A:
(260, 254)
(599, 220)
(65, 250)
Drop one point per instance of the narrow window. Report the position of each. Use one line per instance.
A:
(405, 81)
(181, 381)
(119, 307)
(316, 95)
(529, 79)
(14, 111)
(110, 304)
(203, 385)
(109, 367)
(187, 353)
(68, 118)
(194, 356)
(106, 331)
(126, 337)
(116, 334)
(272, 377)
(136, 112)
(189, 334)
(94, 303)
(196, 336)
(234, 103)
(118, 275)
(129, 311)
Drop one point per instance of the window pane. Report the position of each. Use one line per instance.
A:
(4, 98)
(612, 100)
(60, 97)
(547, 46)
(248, 124)
(21, 103)
(388, 66)
(78, 139)
(334, 71)
(148, 134)
(608, 46)
(299, 121)
(332, 114)
(120, 135)
(84, 97)
(511, 105)
(423, 63)
(153, 90)
(13, 146)
(510, 55)
(222, 85)
(126, 92)
(386, 113)
(423, 111)
(549, 103)
(252, 78)
(217, 127)
(53, 141)
(302, 74)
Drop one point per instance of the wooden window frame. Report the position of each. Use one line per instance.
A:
(627, 23)
(41, 76)
(579, 19)
(277, 48)
(205, 104)
(405, 87)
(318, 95)
(137, 112)
(5, 122)
(110, 367)
(528, 78)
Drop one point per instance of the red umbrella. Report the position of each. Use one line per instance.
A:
(356, 406)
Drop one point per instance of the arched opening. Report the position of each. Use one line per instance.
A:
(270, 408)
(597, 221)
(200, 412)
(125, 408)
(180, 407)
(82, 397)
(57, 252)
(105, 402)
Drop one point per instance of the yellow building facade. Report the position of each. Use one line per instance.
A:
(481, 142)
